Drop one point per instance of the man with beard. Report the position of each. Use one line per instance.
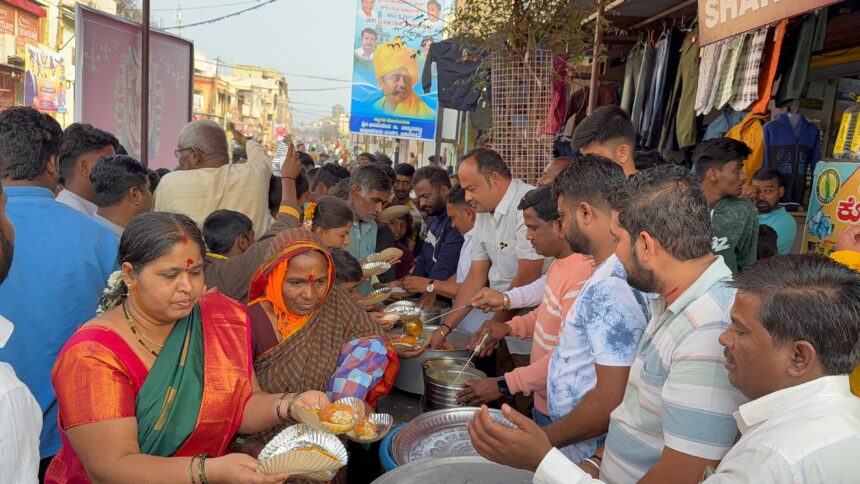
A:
(20, 415)
(768, 187)
(402, 186)
(441, 249)
(719, 164)
(675, 420)
(369, 189)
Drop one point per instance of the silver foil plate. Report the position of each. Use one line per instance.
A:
(299, 436)
(440, 433)
(455, 470)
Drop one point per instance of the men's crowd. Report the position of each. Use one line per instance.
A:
(639, 325)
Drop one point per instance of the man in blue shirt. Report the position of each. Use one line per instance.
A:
(62, 260)
(768, 187)
(441, 250)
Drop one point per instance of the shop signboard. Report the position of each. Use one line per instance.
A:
(387, 94)
(7, 19)
(833, 205)
(44, 80)
(720, 19)
(28, 29)
(108, 83)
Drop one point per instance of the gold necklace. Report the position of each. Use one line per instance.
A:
(138, 333)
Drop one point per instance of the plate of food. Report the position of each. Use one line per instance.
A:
(370, 269)
(391, 253)
(371, 428)
(338, 418)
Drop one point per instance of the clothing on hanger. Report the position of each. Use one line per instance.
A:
(749, 69)
(793, 146)
(455, 71)
(680, 132)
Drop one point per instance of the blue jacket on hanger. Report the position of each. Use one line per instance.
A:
(793, 148)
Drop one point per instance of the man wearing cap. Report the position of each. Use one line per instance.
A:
(396, 68)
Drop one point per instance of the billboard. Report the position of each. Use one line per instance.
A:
(44, 80)
(390, 48)
(834, 204)
(108, 83)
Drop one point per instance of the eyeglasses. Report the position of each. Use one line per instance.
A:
(177, 153)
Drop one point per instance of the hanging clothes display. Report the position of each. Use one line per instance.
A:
(631, 77)
(455, 71)
(792, 145)
(750, 130)
(670, 60)
(769, 65)
(800, 43)
(727, 71)
(680, 132)
(711, 55)
(646, 74)
(746, 79)
(727, 120)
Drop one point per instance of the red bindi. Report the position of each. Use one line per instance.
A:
(311, 278)
(189, 263)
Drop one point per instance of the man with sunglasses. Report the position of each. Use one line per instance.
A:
(206, 180)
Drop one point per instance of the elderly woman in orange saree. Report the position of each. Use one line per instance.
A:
(307, 333)
(155, 388)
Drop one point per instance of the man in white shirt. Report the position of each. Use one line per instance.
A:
(502, 256)
(122, 191)
(789, 348)
(368, 45)
(20, 415)
(83, 145)
(207, 181)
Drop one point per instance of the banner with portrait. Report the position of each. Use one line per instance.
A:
(44, 80)
(390, 48)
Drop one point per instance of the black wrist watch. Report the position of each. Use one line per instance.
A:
(503, 387)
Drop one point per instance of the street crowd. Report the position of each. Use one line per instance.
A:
(643, 321)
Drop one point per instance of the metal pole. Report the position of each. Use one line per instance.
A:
(595, 65)
(144, 87)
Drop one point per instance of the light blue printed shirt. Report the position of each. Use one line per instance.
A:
(602, 328)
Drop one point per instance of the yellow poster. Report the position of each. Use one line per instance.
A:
(834, 205)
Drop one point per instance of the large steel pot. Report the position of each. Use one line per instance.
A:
(411, 376)
(442, 382)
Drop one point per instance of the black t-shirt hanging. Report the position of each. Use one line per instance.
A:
(455, 71)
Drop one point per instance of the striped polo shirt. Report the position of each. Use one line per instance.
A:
(678, 394)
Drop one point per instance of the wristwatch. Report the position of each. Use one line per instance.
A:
(503, 387)
(430, 287)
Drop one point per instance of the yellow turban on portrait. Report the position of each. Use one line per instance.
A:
(393, 55)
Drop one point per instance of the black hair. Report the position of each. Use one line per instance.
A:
(113, 176)
(305, 159)
(346, 267)
(7, 252)
(716, 152)
(370, 156)
(810, 298)
(28, 140)
(588, 179)
(456, 196)
(667, 203)
(276, 192)
(383, 158)
(342, 190)
(389, 172)
(605, 124)
(120, 150)
(332, 213)
(238, 154)
(310, 173)
(541, 201)
(489, 161)
(404, 169)
(329, 174)
(436, 175)
(369, 30)
(80, 138)
(154, 179)
(767, 242)
(767, 174)
(222, 227)
(302, 185)
(162, 171)
(370, 177)
(148, 237)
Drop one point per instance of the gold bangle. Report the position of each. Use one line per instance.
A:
(191, 469)
(278, 408)
(201, 468)
(290, 405)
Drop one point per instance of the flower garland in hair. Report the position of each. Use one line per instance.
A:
(111, 296)
(308, 214)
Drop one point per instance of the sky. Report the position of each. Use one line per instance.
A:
(307, 37)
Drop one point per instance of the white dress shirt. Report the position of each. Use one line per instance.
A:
(116, 229)
(20, 423)
(807, 433)
(77, 202)
(528, 296)
(473, 321)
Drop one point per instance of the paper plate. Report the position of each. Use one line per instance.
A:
(310, 417)
(370, 269)
(303, 451)
(393, 212)
(372, 299)
(390, 317)
(391, 253)
(403, 308)
(383, 423)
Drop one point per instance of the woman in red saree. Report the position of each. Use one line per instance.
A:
(163, 379)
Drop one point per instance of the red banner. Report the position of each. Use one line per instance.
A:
(28, 28)
(7, 19)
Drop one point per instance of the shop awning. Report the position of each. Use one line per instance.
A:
(28, 7)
